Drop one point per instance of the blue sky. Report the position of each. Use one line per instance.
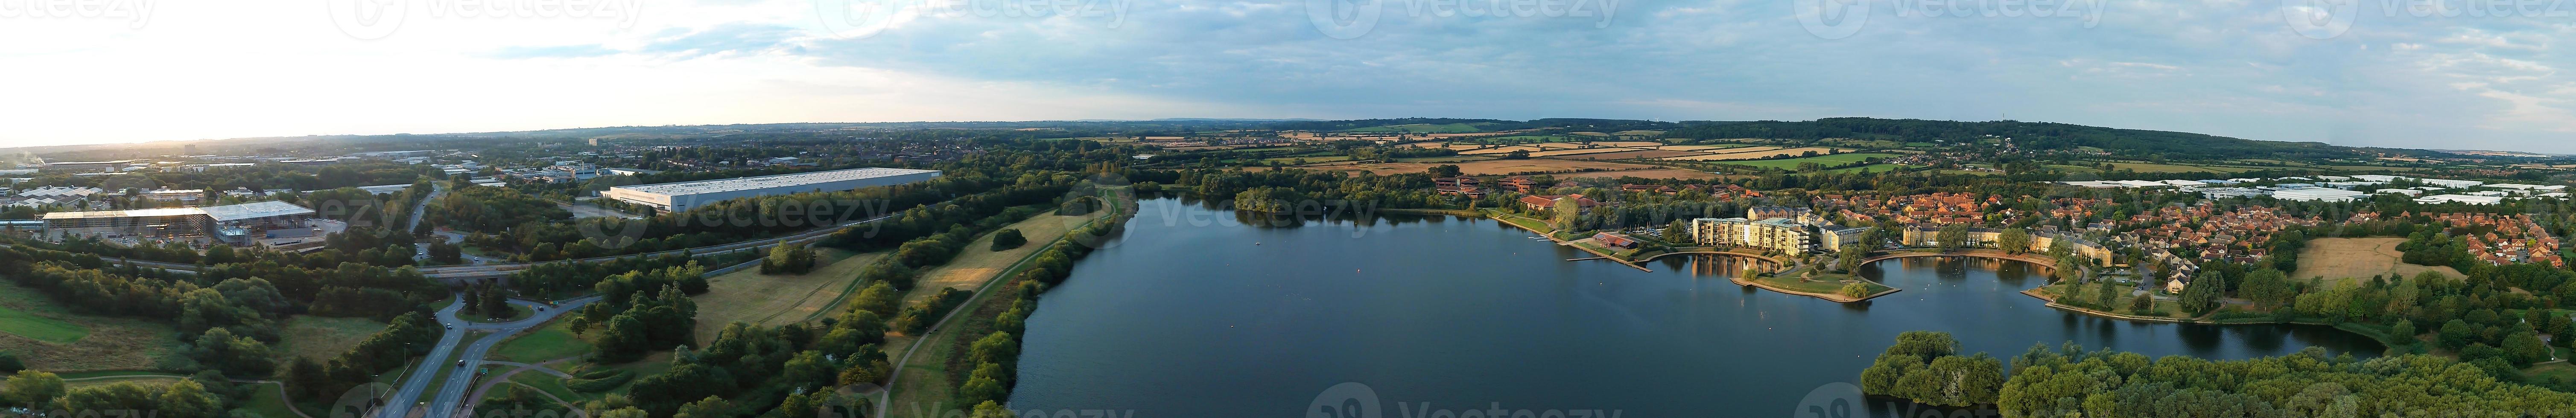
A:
(2402, 73)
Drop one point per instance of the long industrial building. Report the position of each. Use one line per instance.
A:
(233, 223)
(682, 196)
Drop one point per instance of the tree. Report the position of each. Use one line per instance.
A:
(188, 399)
(880, 297)
(788, 258)
(32, 389)
(1849, 259)
(1008, 239)
(1444, 170)
(1567, 210)
(496, 303)
(2524, 348)
(2404, 330)
(9, 363)
(218, 349)
(1952, 236)
(2014, 240)
(2201, 294)
(1854, 290)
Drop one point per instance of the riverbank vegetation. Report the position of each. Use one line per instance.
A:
(2069, 381)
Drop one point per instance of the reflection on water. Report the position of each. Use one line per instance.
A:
(1187, 317)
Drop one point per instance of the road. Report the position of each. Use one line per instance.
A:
(421, 210)
(454, 274)
(452, 389)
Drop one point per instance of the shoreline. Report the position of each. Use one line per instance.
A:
(1837, 298)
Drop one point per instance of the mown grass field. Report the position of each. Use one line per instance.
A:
(978, 263)
(100, 343)
(554, 341)
(321, 338)
(772, 299)
(23, 324)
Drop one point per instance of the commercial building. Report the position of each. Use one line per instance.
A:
(87, 166)
(2317, 195)
(682, 196)
(249, 218)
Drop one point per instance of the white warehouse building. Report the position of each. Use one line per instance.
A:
(682, 196)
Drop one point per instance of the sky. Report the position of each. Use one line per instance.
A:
(2454, 74)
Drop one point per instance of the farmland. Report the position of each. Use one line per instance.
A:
(1421, 128)
(772, 299)
(1485, 167)
(2358, 258)
(1826, 160)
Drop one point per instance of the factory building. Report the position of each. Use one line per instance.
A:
(235, 224)
(682, 196)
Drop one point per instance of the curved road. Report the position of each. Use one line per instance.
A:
(452, 390)
(499, 270)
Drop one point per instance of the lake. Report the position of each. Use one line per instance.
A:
(1195, 312)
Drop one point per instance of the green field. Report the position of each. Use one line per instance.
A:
(549, 384)
(23, 324)
(1792, 163)
(1874, 168)
(1422, 128)
(552, 342)
(321, 338)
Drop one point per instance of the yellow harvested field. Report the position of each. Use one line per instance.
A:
(2358, 259)
(1560, 145)
(1623, 155)
(764, 299)
(978, 263)
(1628, 143)
(1581, 151)
(1756, 155)
(1699, 147)
(1483, 167)
(1655, 173)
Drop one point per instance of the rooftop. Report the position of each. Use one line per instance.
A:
(770, 181)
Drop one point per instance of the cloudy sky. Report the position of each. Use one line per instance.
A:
(2404, 73)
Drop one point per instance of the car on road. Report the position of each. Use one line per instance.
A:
(460, 363)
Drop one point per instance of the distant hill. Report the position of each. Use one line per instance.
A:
(2030, 135)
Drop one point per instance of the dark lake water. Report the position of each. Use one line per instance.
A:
(1185, 316)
